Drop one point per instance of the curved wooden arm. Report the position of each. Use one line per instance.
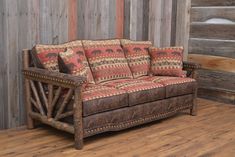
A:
(191, 67)
(54, 78)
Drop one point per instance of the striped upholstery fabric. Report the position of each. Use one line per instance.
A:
(97, 98)
(139, 91)
(175, 86)
(71, 63)
(137, 56)
(167, 61)
(107, 60)
(46, 56)
(77, 47)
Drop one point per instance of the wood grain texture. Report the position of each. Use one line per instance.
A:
(213, 62)
(212, 31)
(183, 24)
(217, 94)
(224, 48)
(202, 14)
(212, 43)
(213, 3)
(4, 68)
(72, 20)
(216, 79)
(182, 134)
(119, 18)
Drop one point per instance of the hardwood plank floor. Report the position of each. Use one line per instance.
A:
(210, 134)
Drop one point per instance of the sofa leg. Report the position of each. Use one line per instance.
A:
(78, 144)
(78, 121)
(193, 111)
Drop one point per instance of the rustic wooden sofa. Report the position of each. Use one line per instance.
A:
(56, 99)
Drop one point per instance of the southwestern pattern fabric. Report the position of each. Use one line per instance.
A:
(139, 91)
(137, 56)
(71, 63)
(167, 61)
(107, 60)
(174, 86)
(166, 80)
(46, 56)
(77, 47)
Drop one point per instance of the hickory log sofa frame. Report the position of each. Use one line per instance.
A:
(44, 88)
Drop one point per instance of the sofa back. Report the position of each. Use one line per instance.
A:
(104, 59)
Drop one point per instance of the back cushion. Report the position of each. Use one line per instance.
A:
(107, 60)
(46, 56)
(77, 47)
(137, 56)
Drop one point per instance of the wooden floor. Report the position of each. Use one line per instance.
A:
(211, 133)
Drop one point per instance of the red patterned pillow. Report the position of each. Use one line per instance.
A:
(46, 56)
(107, 60)
(71, 63)
(167, 61)
(137, 56)
(77, 47)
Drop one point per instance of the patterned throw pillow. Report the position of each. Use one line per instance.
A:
(137, 56)
(107, 60)
(71, 63)
(167, 61)
(77, 47)
(46, 56)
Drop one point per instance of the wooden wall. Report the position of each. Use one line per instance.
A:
(24, 23)
(212, 44)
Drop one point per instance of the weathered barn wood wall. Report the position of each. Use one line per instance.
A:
(212, 43)
(24, 23)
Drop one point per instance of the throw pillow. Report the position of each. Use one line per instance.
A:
(167, 61)
(137, 56)
(70, 62)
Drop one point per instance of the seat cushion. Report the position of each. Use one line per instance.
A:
(107, 60)
(175, 86)
(97, 98)
(137, 56)
(139, 91)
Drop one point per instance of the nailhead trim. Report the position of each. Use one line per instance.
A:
(49, 78)
(90, 132)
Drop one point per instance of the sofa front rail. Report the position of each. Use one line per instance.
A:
(47, 95)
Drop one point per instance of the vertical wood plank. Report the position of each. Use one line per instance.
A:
(81, 19)
(4, 67)
(119, 18)
(63, 23)
(166, 23)
(183, 24)
(127, 19)
(155, 20)
(13, 61)
(72, 19)
(145, 25)
(112, 16)
(173, 22)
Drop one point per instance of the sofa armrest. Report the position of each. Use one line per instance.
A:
(54, 78)
(191, 68)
